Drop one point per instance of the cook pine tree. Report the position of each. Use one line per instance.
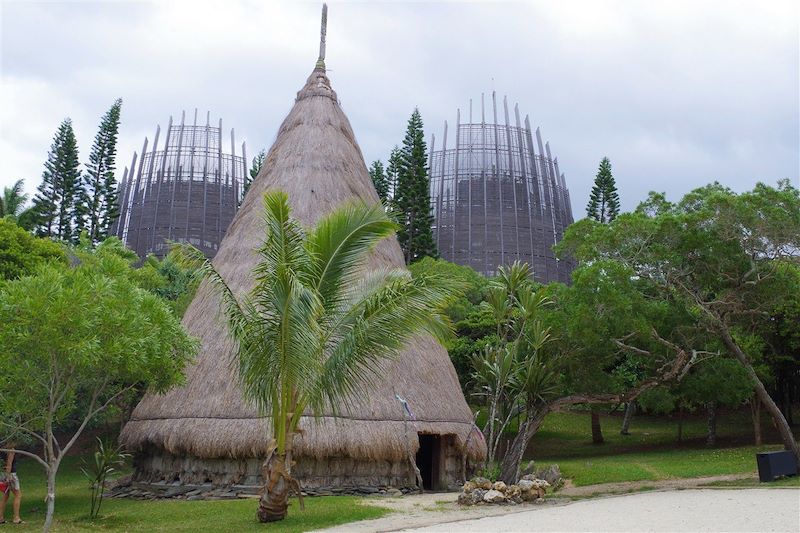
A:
(255, 168)
(379, 180)
(604, 200)
(412, 197)
(604, 207)
(393, 170)
(97, 207)
(56, 196)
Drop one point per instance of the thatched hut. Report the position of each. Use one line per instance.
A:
(205, 432)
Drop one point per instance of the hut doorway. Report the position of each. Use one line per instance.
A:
(429, 459)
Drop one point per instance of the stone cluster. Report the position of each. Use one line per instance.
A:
(479, 491)
(126, 488)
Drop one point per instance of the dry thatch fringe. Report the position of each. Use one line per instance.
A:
(317, 161)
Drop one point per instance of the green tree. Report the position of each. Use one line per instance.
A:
(311, 333)
(412, 196)
(393, 171)
(713, 383)
(255, 168)
(74, 340)
(721, 255)
(55, 200)
(379, 180)
(589, 327)
(604, 200)
(21, 253)
(96, 208)
(13, 200)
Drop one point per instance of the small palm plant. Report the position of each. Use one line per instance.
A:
(105, 458)
(314, 328)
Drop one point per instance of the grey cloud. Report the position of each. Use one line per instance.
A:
(676, 94)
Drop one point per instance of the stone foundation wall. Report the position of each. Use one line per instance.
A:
(335, 474)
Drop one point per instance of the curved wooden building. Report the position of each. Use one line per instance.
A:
(187, 190)
(498, 195)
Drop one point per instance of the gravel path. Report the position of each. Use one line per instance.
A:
(743, 510)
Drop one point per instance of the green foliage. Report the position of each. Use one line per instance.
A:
(105, 459)
(170, 278)
(255, 168)
(313, 329)
(21, 253)
(96, 206)
(490, 471)
(83, 328)
(516, 373)
(74, 340)
(721, 257)
(13, 200)
(412, 195)
(55, 201)
(379, 180)
(604, 201)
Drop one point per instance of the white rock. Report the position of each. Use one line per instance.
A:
(493, 496)
(525, 485)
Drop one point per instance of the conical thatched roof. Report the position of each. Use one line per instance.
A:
(317, 161)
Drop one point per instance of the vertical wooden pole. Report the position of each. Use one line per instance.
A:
(511, 178)
(161, 177)
(496, 175)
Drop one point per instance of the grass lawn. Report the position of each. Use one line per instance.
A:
(122, 515)
(651, 452)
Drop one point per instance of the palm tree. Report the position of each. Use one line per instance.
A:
(315, 327)
(12, 200)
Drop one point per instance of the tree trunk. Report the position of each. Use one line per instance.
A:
(274, 501)
(755, 409)
(680, 424)
(50, 498)
(597, 431)
(630, 409)
(789, 441)
(711, 408)
(512, 460)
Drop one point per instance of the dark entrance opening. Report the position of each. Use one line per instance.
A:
(429, 459)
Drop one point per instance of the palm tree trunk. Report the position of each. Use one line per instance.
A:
(274, 501)
(597, 431)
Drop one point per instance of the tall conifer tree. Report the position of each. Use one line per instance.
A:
(603, 207)
(412, 197)
(255, 168)
(379, 180)
(604, 200)
(97, 208)
(393, 170)
(57, 194)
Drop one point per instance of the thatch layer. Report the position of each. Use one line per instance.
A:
(317, 161)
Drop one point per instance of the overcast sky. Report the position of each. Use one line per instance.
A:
(676, 94)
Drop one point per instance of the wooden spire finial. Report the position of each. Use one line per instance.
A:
(323, 29)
